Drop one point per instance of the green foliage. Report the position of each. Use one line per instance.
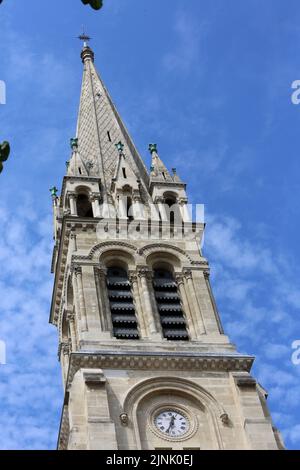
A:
(4, 153)
(95, 4)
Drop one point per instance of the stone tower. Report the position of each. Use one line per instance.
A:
(144, 358)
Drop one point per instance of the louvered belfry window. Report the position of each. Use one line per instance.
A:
(169, 306)
(121, 304)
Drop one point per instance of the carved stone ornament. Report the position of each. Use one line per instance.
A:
(224, 418)
(124, 419)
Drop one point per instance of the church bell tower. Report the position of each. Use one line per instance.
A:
(145, 361)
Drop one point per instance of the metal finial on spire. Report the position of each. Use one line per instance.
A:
(86, 53)
(54, 192)
(120, 147)
(85, 38)
(153, 148)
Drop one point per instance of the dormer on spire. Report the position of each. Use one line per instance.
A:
(124, 177)
(76, 166)
(125, 188)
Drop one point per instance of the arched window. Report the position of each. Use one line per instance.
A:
(121, 304)
(169, 306)
(84, 206)
(170, 202)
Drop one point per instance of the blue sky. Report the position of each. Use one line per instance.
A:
(210, 82)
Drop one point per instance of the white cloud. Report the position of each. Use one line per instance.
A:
(190, 33)
(31, 376)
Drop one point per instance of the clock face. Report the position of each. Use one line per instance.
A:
(172, 423)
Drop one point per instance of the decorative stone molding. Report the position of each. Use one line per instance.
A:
(157, 361)
(112, 245)
(149, 249)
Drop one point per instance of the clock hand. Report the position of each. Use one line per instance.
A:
(171, 424)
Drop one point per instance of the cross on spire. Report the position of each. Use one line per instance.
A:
(85, 38)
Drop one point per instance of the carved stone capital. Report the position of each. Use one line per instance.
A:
(144, 272)
(101, 272)
(182, 201)
(133, 276)
(95, 197)
(72, 195)
(179, 278)
(159, 200)
(187, 273)
(76, 269)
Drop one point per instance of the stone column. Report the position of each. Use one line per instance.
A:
(95, 200)
(104, 307)
(184, 210)
(190, 323)
(71, 320)
(73, 206)
(194, 306)
(133, 278)
(80, 292)
(137, 208)
(73, 242)
(144, 276)
(162, 209)
(122, 212)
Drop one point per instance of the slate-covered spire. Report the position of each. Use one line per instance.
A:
(99, 129)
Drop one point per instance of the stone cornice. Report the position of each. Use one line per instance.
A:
(157, 361)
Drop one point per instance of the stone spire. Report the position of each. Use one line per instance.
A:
(159, 171)
(99, 129)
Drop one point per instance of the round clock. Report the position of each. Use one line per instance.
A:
(171, 423)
